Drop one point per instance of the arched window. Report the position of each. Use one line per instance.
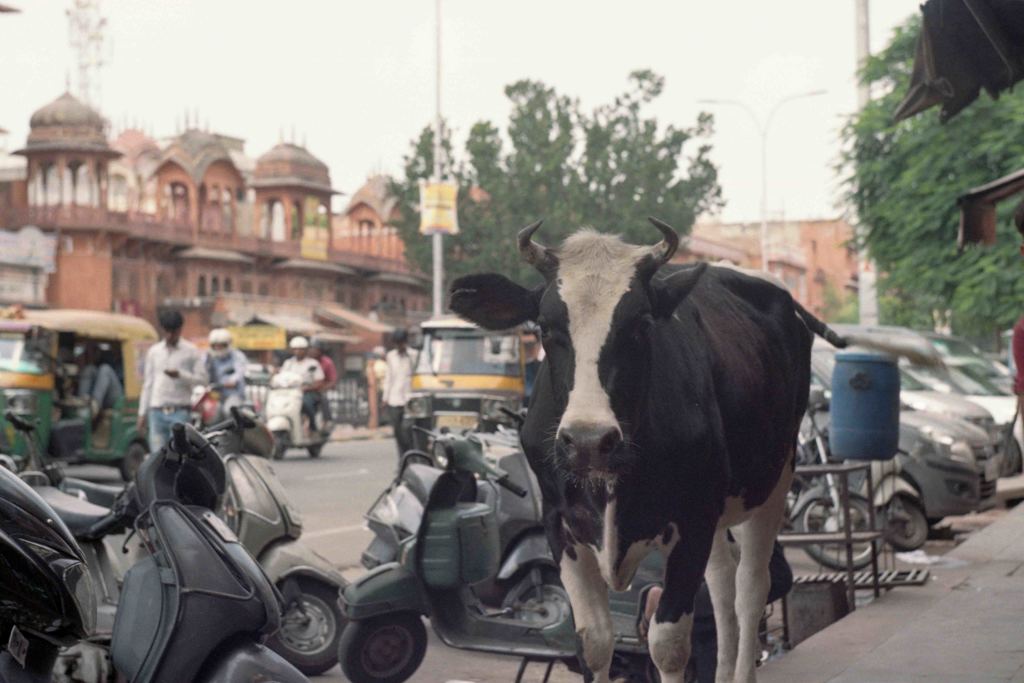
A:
(201, 291)
(86, 191)
(227, 211)
(214, 286)
(277, 227)
(51, 185)
(180, 210)
(227, 285)
(67, 187)
(296, 222)
(118, 197)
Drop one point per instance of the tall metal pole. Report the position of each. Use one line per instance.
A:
(867, 293)
(438, 237)
(762, 129)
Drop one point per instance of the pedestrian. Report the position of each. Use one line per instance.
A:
(398, 386)
(311, 373)
(225, 367)
(172, 367)
(316, 351)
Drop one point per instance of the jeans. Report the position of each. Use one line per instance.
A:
(310, 401)
(395, 415)
(160, 426)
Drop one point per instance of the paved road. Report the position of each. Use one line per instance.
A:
(334, 491)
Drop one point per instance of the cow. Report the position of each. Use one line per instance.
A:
(665, 415)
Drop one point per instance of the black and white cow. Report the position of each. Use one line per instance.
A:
(666, 412)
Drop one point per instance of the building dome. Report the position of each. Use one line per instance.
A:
(290, 165)
(196, 150)
(67, 123)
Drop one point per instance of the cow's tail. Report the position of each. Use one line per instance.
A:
(920, 354)
(819, 328)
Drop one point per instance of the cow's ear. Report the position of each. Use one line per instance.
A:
(667, 294)
(493, 301)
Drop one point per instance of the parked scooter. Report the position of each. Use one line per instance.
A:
(195, 608)
(256, 508)
(441, 568)
(285, 420)
(815, 505)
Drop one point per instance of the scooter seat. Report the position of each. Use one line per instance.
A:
(419, 479)
(79, 515)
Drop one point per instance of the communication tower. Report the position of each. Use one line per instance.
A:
(85, 34)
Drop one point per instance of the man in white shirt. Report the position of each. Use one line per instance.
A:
(311, 372)
(397, 387)
(173, 366)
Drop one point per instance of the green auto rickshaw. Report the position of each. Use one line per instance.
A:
(42, 357)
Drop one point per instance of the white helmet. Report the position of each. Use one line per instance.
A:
(220, 336)
(298, 343)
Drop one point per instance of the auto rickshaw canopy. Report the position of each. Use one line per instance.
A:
(91, 324)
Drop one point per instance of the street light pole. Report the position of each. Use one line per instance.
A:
(438, 238)
(763, 129)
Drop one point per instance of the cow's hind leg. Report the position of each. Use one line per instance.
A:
(721, 579)
(588, 595)
(756, 537)
(668, 638)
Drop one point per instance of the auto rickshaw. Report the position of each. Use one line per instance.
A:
(39, 378)
(464, 377)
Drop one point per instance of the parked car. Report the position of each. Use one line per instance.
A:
(971, 360)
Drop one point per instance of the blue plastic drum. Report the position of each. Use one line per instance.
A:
(865, 408)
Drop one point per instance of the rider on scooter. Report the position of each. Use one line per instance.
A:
(311, 373)
(226, 368)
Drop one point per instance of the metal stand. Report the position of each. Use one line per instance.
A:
(526, 661)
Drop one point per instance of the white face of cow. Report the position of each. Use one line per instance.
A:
(594, 273)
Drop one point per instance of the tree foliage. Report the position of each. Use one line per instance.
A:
(903, 180)
(608, 169)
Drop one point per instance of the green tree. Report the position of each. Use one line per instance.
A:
(903, 180)
(608, 169)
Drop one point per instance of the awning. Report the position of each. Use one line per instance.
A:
(978, 208)
(964, 46)
(336, 338)
(349, 318)
(213, 255)
(398, 278)
(320, 266)
(292, 323)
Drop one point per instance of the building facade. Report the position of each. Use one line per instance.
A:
(139, 224)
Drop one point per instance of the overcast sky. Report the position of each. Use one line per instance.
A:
(356, 79)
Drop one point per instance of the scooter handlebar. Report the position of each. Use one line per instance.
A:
(510, 486)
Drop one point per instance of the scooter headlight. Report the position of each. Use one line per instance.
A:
(440, 453)
(418, 407)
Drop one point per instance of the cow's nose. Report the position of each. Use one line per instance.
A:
(590, 445)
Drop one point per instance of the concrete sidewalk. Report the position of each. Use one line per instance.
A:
(965, 626)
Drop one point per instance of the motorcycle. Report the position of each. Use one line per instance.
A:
(256, 509)
(285, 420)
(448, 568)
(814, 505)
(196, 607)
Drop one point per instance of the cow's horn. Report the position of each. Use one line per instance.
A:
(535, 254)
(664, 250)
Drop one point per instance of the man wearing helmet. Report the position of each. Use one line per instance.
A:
(225, 366)
(312, 375)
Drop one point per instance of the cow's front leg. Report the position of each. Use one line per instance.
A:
(669, 636)
(588, 595)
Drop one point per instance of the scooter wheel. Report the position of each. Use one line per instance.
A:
(281, 442)
(310, 632)
(384, 649)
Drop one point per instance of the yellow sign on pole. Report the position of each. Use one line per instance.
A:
(438, 212)
(258, 337)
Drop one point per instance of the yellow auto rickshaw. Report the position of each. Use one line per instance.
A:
(45, 358)
(464, 377)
